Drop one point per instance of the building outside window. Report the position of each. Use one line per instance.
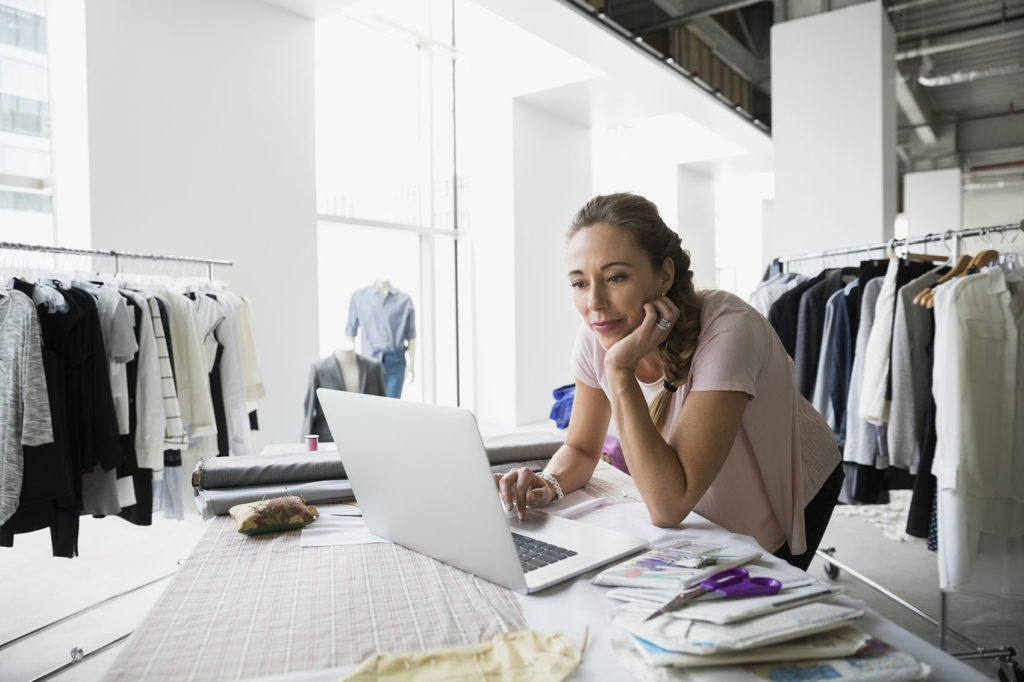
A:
(26, 207)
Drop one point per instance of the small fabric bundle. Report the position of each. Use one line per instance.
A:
(278, 513)
(524, 656)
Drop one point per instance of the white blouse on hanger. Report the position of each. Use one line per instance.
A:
(977, 380)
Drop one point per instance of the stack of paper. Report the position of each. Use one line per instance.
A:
(713, 637)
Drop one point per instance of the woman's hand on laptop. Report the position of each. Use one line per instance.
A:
(522, 488)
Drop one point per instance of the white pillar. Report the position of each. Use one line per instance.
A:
(834, 129)
(932, 201)
(551, 181)
(696, 224)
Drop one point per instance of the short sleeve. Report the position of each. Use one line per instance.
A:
(730, 352)
(122, 346)
(37, 428)
(584, 361)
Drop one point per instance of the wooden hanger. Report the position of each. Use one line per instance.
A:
(959, 266)
(933, 257)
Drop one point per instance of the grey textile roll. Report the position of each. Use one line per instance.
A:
(519, 447)
(215, 502)
(230, 472)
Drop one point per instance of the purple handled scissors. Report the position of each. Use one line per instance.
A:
(732, 582)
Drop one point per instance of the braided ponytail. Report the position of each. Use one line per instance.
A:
(640, 219)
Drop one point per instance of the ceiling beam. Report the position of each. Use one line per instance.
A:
(684, 11)
(731, 51)
(916, 110)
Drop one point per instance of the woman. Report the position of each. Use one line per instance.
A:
(726, 432)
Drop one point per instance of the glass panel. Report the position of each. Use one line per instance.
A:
(351, 257)
(22, 29)
(24, 116)
(368, 123)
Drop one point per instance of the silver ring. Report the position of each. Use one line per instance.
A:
(663, 323)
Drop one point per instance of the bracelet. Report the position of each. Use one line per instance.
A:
(545, 476)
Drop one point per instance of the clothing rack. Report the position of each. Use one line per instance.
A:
(1005, 654)
(116, 255)
(77, 654)
(907, 241)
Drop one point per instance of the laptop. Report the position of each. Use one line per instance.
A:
(422, 479)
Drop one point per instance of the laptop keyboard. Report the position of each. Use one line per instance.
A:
(534, 553)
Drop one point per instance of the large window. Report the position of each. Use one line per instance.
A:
(385, 175)
(26, 208)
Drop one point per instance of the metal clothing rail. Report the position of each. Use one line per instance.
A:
(1010, 670)
(116, 255)
(895, 243)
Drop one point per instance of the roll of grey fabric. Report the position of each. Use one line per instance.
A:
(230, 472)
(218, 501)
(520, 447)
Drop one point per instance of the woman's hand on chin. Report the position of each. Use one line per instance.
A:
(626, 353)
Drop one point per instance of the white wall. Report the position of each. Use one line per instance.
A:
(69, 123)
(696, 227)
(834, 128)
(995, 206)
(932, 201)
(551, 179)
(201, 143)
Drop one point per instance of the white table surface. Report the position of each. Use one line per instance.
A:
(577, 606)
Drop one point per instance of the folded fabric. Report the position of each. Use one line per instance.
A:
(844, 641)
(524, 656)
(229, 472)
(695, 637)
(219, 501)
(268, 516)
(519, 447)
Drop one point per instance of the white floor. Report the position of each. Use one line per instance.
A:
(36, 589)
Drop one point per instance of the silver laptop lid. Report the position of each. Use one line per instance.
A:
(420, 473)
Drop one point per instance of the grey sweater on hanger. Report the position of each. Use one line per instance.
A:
(326, 373)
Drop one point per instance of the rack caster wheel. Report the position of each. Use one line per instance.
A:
(831, 570)
(1016, 674)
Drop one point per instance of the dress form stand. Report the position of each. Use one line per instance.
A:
(345, 354)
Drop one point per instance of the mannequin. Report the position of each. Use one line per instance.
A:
(384, 318)
(345, 354)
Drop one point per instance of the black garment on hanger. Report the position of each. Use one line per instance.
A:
(785, 312)
(219, 413)
(99, 434)
(48, 479)
(811, 326)
(140, 513)
(921, 516)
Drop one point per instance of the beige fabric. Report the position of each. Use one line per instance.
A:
(524, 656)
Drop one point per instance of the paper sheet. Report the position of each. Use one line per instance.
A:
(337, 530)
(572, 505)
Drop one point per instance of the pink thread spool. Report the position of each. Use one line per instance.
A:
(313, 443)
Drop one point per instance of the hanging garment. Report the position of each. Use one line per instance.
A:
(821, 399)
(24, 401)
(387, 320)
(769, 291)
(911, 370)
(785, 313)
(326, 373)
(977, 379)
(810, 326)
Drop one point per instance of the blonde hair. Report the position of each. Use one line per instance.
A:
(639, 218)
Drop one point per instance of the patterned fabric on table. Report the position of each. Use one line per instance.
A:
(247, 606)
(613, 485)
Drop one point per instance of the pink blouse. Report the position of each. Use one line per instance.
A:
(784, 450)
